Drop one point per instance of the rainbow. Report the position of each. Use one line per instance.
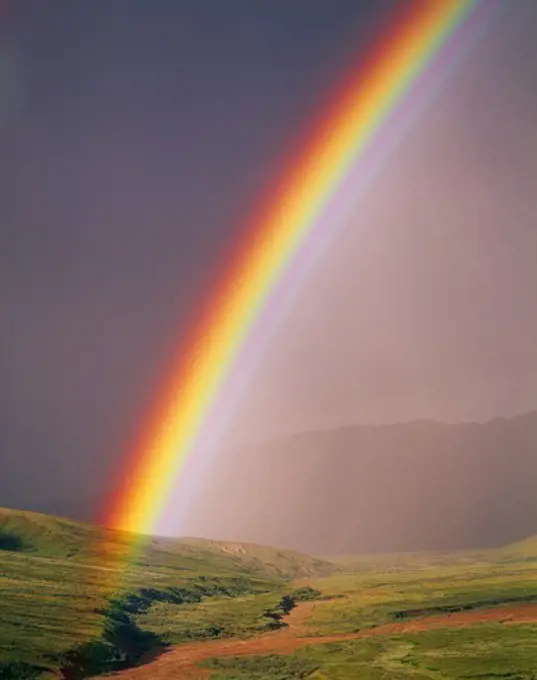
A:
(425, 40)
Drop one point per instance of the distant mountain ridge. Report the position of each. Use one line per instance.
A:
(411, 486)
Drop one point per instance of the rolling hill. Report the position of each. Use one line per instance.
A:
(47, 536)
(521, 552)
(74, 595)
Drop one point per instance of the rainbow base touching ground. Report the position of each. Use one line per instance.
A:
(423, 41)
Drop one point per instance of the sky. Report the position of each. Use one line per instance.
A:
(136, 137)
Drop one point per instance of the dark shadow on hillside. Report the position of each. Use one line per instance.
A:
(123, 645)
(12, 542)
(20, 670)
(467, 606)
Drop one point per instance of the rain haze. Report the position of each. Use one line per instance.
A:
(134, 145)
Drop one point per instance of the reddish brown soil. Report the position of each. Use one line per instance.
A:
(181, 662)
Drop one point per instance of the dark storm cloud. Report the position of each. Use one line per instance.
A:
(135, 139)
(142, 134)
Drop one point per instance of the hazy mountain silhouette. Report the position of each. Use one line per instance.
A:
(411, 486)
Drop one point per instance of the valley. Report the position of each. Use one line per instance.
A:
(78, 602)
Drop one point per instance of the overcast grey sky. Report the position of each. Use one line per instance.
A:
(424, 306)
(134, 142)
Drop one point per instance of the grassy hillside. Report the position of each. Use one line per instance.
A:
(373, 589)
(407, 590)
(61, 606)
(284, 563)
(525, 550)
(46, 536)
(486, 652)
(522, 553)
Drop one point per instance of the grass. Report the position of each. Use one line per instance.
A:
(61, 606)
(34, 534)
(239, 617)
(486, 651)
(219, 617)
(275, 667)
(382, 589)
(374, 596)
(55, 607)
(483, 652)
